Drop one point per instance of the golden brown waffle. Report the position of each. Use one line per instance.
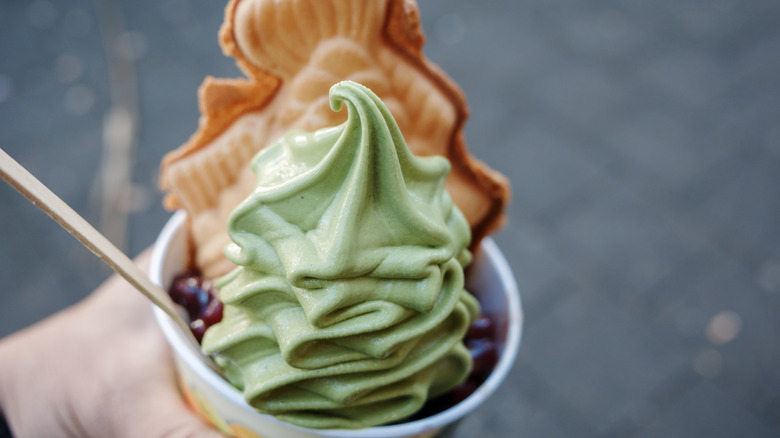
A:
(292, 52)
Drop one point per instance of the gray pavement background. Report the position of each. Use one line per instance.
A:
(643, 145)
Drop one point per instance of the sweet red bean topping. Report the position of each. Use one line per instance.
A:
(199, 298)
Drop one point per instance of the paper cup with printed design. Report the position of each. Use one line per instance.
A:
(223, 405)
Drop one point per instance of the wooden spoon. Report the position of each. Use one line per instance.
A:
(36, 192)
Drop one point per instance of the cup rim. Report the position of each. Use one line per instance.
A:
(514, 332)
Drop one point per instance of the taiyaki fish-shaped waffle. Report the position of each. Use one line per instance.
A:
(292, 52)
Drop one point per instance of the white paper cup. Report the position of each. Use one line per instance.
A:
(224, 406)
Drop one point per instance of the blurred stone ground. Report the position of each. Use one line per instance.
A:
(643, 145)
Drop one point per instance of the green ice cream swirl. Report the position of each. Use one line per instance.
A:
(347, 308)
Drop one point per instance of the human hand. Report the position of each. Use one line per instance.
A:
(100, 368)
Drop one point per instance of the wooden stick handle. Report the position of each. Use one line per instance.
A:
(36, 192)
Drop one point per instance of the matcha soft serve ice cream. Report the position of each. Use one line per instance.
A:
(347, 308)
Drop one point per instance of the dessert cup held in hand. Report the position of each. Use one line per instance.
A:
(218, 402)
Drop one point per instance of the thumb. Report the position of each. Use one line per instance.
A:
(168, 416)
